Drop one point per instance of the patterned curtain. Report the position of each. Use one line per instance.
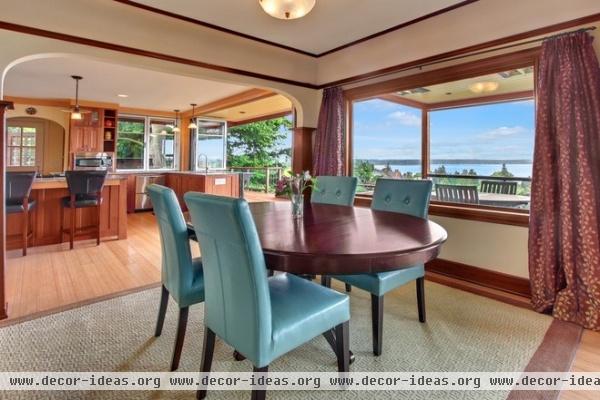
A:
(329, 143)
(564, 232)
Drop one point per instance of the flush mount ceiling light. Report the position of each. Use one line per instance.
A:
(481, 87)
(123, 95)
(192, 124)
(287, 9)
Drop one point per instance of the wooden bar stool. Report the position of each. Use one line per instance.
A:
(18, 189)
(85, 190)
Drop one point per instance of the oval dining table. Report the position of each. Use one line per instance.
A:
(338, 240)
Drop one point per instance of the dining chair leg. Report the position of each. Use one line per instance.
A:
(421, 299)
(348, 287)
(181, 327)
(162, 311)
(342, 338)
(259, 394)
(25, 229)
(208, 349)
(377, 323)
(270, 272)
(325, 281)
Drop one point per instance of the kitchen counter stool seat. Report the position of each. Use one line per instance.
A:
(18, 189)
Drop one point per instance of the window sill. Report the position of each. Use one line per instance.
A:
(492, 215)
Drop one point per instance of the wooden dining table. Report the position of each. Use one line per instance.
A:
(337, 240)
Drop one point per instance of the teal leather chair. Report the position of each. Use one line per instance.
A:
(401, 196)
(262, 318)
(336, 190)
(181, 275)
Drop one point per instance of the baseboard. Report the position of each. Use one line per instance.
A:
(483, 277)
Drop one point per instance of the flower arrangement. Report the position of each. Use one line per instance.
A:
(294, 187)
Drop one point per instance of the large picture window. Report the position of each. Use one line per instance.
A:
(146, 143)
(473, 137)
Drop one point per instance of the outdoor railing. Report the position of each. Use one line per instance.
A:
(260, 178)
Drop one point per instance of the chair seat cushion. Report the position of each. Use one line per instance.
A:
(196, 292)
(302, 310)
(13, 207)
(382, 282)
(81, 201)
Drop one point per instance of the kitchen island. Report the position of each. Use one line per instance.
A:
(45, 223)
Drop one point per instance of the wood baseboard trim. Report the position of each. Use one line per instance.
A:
(479, 280)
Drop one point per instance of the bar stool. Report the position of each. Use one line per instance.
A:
(85, 190)
(18, 189)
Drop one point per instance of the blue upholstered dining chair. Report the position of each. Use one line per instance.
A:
(181, 275)
(401, 196)
(262, 318)
(336, 190)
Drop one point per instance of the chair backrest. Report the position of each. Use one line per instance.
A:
(498, 187)
(405, 196)
(85, 182)
(237, 301)
(177, 272)
(336, 190)
(457, 193)
(18, 186)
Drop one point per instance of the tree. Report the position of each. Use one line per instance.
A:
(259, 144)
(365, 171)
(503, 173)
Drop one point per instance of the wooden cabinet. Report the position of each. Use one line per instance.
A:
(219, 184)
(86, 134)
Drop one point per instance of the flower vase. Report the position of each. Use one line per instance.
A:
(297, 205)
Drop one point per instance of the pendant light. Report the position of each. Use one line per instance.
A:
(75, 111)
(176, 127)
(192, 124)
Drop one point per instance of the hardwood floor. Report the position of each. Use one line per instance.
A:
(55, 278)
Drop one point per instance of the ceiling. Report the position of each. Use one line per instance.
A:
(331, 23)
(50, 79)
(271, 105)
(518, 80)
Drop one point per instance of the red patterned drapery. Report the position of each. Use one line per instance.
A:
(329, 140)
(564, 231)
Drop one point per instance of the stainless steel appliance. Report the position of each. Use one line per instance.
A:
(142, 200)
(93, 161)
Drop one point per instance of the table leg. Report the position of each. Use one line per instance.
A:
(330, 337)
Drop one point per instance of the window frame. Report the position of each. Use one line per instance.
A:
(21, 126)
(485, 66)
(146, 156)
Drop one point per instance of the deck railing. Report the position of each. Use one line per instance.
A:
(260, 178)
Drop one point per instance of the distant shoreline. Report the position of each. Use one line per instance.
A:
(444, 161)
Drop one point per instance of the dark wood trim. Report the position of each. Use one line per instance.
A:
(491, 45)
(424, 144)
(401, 100)
(472, 212)
(259, 118)
(496, 98)
(146, 53)
(289, 48)
(480, 276)
(238, 99)
(302, 149)
(4, 105)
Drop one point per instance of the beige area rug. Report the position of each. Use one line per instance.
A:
(464, 332)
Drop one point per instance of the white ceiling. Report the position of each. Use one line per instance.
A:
(330, 24)
(50, 78)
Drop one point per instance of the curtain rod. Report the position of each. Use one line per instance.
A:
(477, 53)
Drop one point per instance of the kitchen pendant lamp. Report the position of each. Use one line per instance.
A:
(176, 127)
(287, 9)
(192, 124)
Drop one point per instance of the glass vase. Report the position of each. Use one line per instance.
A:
(297, 205)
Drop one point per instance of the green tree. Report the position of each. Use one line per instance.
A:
(259, 144)
(364, 171)
(504, 172)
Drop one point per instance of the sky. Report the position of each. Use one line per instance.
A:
(386, 130)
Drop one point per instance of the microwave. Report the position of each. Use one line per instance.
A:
(93, 161)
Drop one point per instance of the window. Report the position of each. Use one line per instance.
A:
(211, 139)
(21, 146)
(146, 143)
(478, 132)
(387, 142)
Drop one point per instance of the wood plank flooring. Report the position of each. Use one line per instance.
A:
(54, 277)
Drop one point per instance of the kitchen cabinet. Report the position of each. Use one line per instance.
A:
(86, 134)
(225, 184)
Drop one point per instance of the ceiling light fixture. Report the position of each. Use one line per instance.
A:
(481, 87)
(176, 127)
(75, 111)
(287, 9)
(123, 95)
(192, 124)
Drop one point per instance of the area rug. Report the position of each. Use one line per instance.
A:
(464, 332)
